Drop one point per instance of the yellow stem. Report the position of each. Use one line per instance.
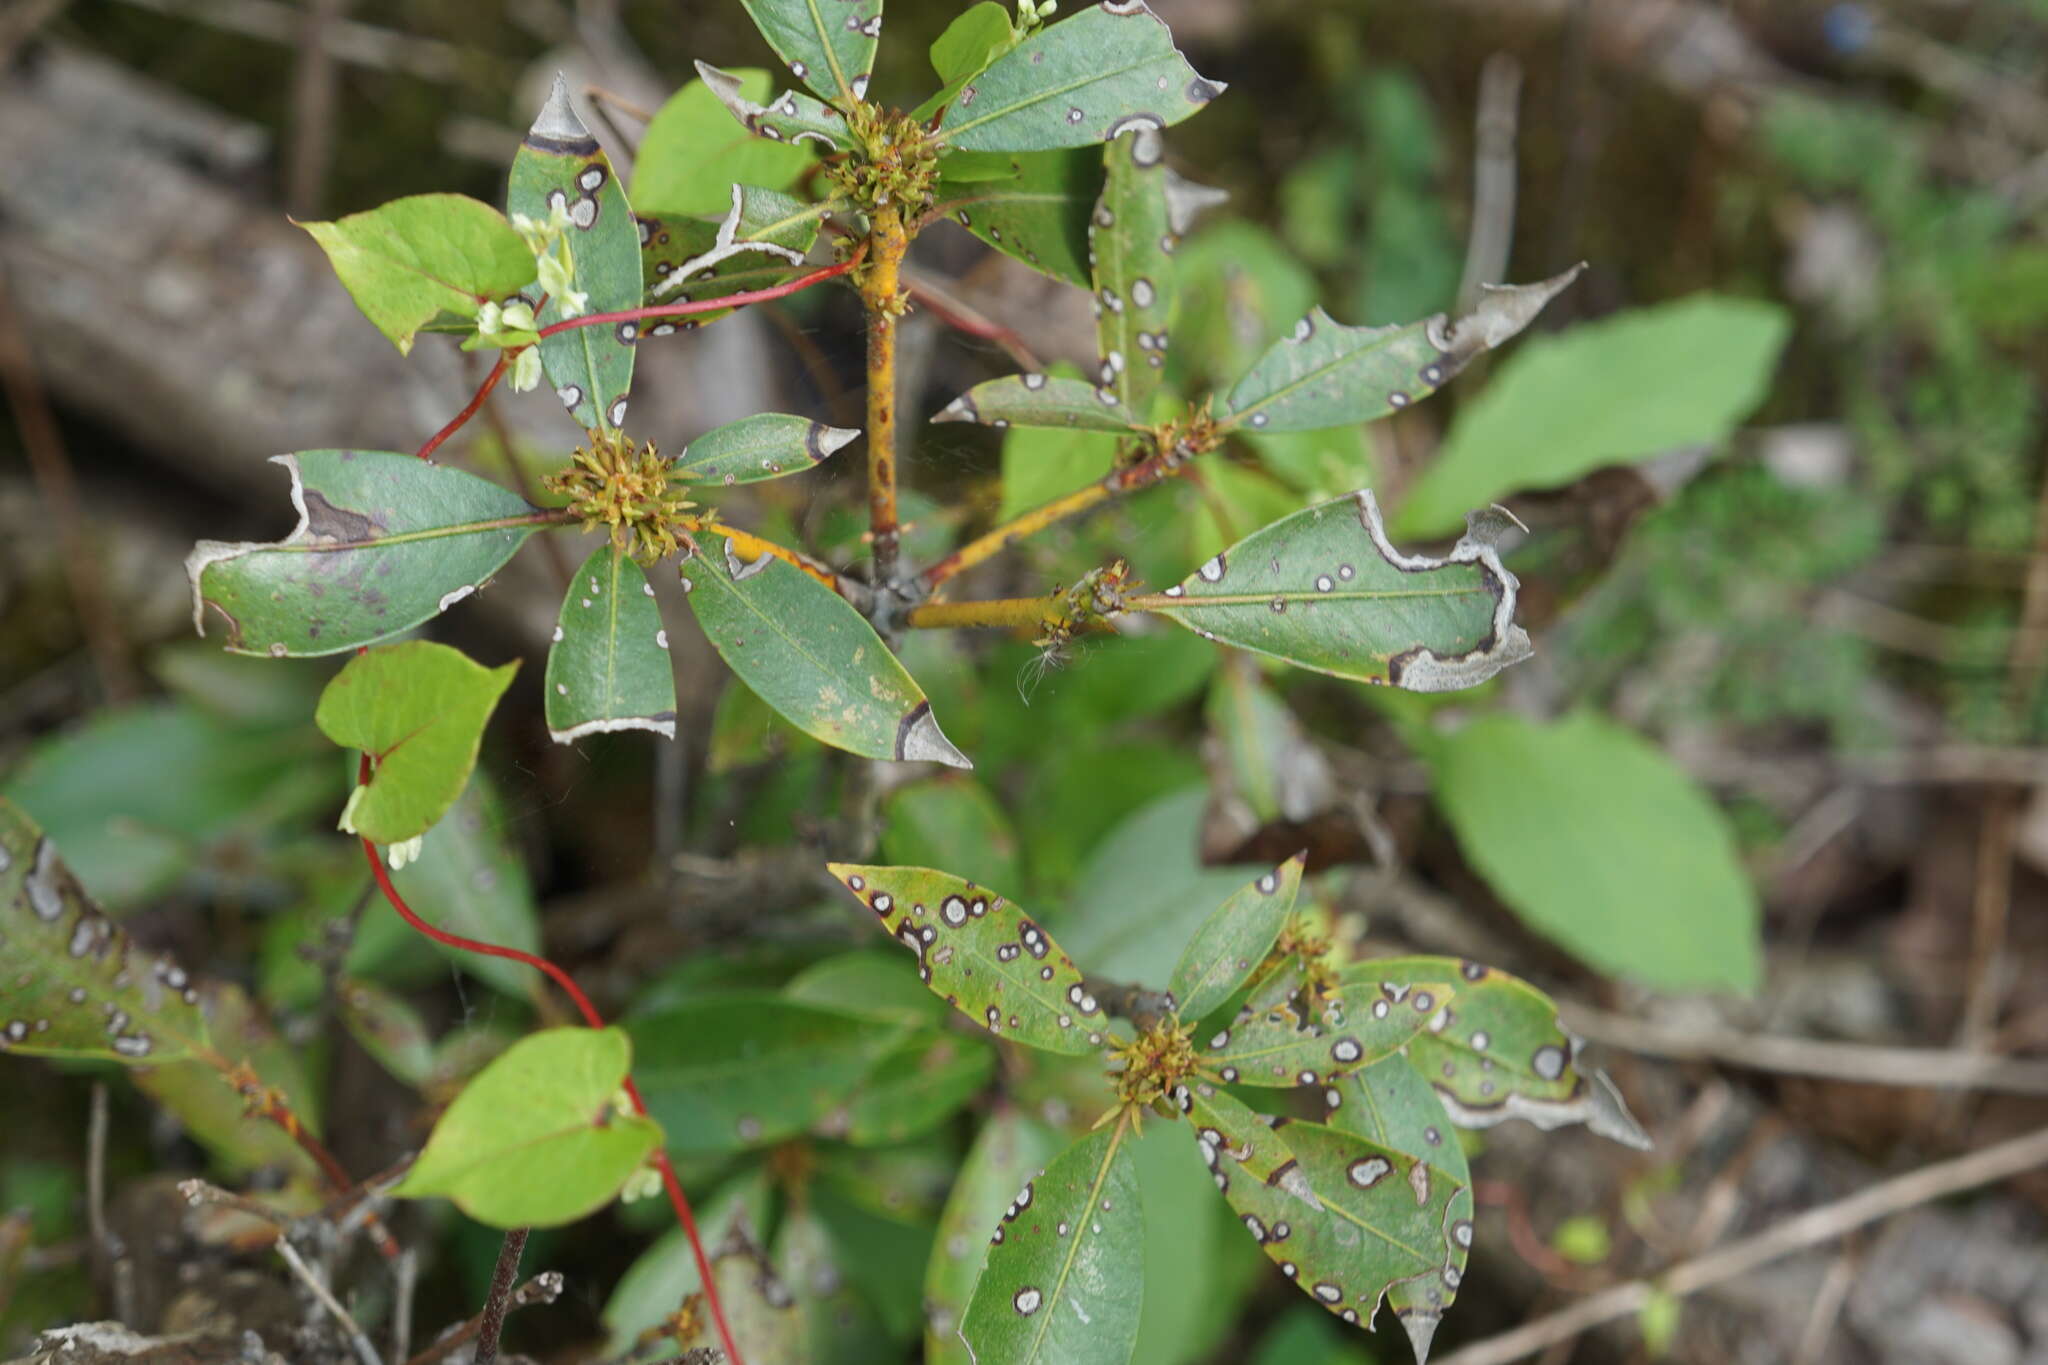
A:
(1004, 613)
(750, 546)
(881, 293)
(992, 543)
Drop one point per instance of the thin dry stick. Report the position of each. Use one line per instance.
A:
(1493, 178)
(96, 1183)
(315, 87)
(545, 1287)
(1824, 1224)
(380, 49)
(491, 1323)
(1827, 1310)
(1920, 1068)
(365, 1352)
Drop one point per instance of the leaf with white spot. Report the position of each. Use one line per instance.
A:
(912, 1090)
(984, 955)
(741, 1070)
(977, 36)
(1241, 1146)
(1324, 374)
(72, 983)
(1130, 240)
(608, 668)
(1501, 1053)
(1064, 1280)
(1234, 940)
(1276, 1048)
(384, 542)
(780, 230)
(534, 1139)
(427, 262)
(1033, 206)
(792, 117)
(765, 446)
(1324, 589)
(1010, 1149)
(560, 165)
(829, 45)
(418, 709)
(805, 651)
(1038, 400)
(760, 1308)
(1110, 68)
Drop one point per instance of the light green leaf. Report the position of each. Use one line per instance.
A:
(1033, 206)
(951, 821)
(1010, 1149)
(744, 1069)
(1234, 940)
(1324, 374)
(974, 39)
(1324, 589)
(1502, 1053)
(384, 542)
(608, 668)
(1064, 1280)
(1269, 764)
(1604, 845)
(202, 1092)
(987, 958)
(691, 156)
(425, 259)
(1274, 1047)
(535, 1140)
(418, 709)
(665, 1274)
(811, 656)
(759, 1307)
(470, 881)
(1042, 463)
(767, 445)
(1110, 68)
(1037, 400)
(1130, 242)
(1239, 289)
(1635, 385)
(559, 162)
(792, 117)
(829, 45)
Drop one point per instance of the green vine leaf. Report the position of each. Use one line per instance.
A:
(829, 45)
(1064, 1279)
(1130, 241)
(791, 117)
(1502, 1053)
(746, 1069)
(1275, 1047)
(990, 960)
(754, 449)
(806, 652)
(1110, 68)
(1323, 589)
(384, 542)
(540, 1137)
(691, 155)
(608, 668)
(1032, 206)
(425, 262)
(1010, 1149)
(418, 709)
(1234, 940)
(559, 164)
(1324, 374)
(976, 37)
(1038, 400)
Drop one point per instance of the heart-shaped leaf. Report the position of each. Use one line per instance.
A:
(608, 668)
(1033, 206)
(987, 958)
(537, 1139)
(691, 155)
(767, 445)
(1234, 940)
(1323, 589)
(425, 259)
(384, 542)
(1010, 1149)
(829, 45)
(1038, 400)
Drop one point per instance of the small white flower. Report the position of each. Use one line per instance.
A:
(573, 303)
(644, 1183)
(516, 316)
(348, 812)
(526, 370)
(554, 276)
(488, 320)
(399, 854)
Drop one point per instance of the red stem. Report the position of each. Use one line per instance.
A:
(455, 423)
(590, 1015)
(677, 310)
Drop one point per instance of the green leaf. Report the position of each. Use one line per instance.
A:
(1234, 940)
(1239, 288)
(691, 156)
(759, 1307)
(791, 117)
(1033, 206)
(866, 981)
(951, 821)
(1110, 68)
(984, 955)
(1324, 374)
(746, 1069)
(807, 653)
(1635, 385)
(425, 259)
(384, 542)
(1042, 463)
(387, 1027)
(1063, 1283)
(535, 1139)
(1323, 589)
(665, 1274)
(1274, 1047)
(765, 446)
(1010, 1149)
(1268, 763)
(829, 45)
(418, 709)
(1391, 1103)
(559, 162)
(974, 39)
(1502, 1053)
(472, 882)
(913, 1090)
(1037, 400)
(1604, 845)
(204, 1092)
(839, 1326)
(780, 230)
(608, 668)
(1130, 241)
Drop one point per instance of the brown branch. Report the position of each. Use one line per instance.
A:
(491, 1322)
(543, 1288)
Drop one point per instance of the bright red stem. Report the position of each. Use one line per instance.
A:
(590, 1015)
(677, 310)
(455, 424)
